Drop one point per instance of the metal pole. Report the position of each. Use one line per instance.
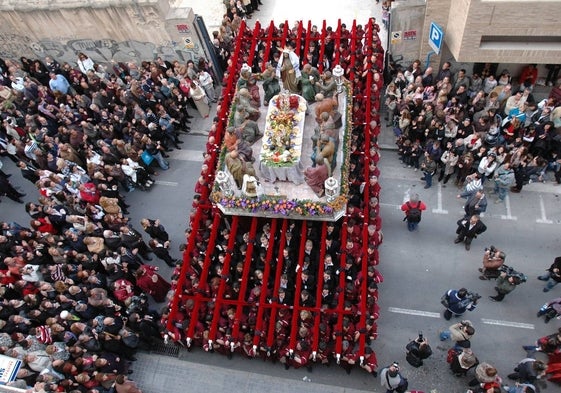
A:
(428, 58)
(388, 51)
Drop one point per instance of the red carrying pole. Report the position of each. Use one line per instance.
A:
(298, 39)
(341, 301)
(264, 289)
(364, 286)
(186, 262)
(306, 44)
(223, 280)
(199, 298)
(319, 289)
(295, 314)
(322, 47)
(268, 41)
(280, 262)
(256, 31)
(337, 43)
(245, 275)
(284, 33)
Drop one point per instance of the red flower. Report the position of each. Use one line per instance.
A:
(293, 102)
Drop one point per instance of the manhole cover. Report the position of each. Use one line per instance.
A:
(166, 349)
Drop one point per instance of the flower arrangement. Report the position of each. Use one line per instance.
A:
(283, 206)
(281, 130)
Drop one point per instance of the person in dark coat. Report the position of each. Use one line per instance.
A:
(28, 171)
(132, 239)
(468, 229)
(155, 229)
(476, 204)
(8, 190)
(552, 275)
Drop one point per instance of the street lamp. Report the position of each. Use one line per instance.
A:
(338, 72)
(331, 188)
(224, 184)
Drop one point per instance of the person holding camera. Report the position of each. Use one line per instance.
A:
(461, 334)
(458, 302)
(428, 166)
(506, 283)
(552, 275)
(551, 309)
(417, 350)
(493, 259)
(528, 371)
(392, 380)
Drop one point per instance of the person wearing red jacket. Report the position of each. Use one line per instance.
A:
(528, 77)
(413, 209)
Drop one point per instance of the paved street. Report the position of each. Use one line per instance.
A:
(418, 267)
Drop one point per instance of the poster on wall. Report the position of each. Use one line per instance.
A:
(395, 37)
(8, 369)
(410, 35)
(189, 44)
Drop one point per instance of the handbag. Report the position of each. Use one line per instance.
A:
(147, 158)
(403, 385)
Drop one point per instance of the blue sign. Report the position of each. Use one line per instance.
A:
(8, 369)
(436, 36)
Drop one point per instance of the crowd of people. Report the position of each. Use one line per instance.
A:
(296, 295)
(451, 125)
(75, 279)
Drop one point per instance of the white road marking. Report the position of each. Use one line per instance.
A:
(166, 183)
(508, 323)
(543, 219)
(414, 312)
(407, 195)
(429, 314)
(508, 216)
(439, 209)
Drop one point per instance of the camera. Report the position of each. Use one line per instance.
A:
(491, 249)
(420, 338)
(473, 296)
(511, 272)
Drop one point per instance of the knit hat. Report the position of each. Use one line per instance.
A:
(44, 334)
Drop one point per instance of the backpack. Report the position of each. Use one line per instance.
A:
(452, 353)
(414, 213)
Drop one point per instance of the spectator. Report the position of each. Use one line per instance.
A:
(413, 211)
(468, 229)
(493, 259)
(552, 275)
(392, 380)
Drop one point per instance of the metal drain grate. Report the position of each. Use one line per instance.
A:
(165, 349)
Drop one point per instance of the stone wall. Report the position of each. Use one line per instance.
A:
(116, 30)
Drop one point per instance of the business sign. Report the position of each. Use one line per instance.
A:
(395, 37)
(9, 368)
(436, 37)
(410, 35)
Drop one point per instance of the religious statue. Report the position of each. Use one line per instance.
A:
(238, 167)
(288, 70)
